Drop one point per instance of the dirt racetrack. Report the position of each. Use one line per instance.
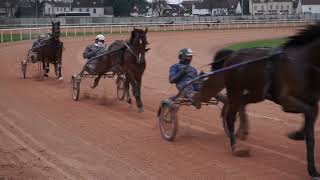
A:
(44, 134)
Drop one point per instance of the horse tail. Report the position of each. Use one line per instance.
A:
(220, 58)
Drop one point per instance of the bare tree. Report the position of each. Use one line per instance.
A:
(158, 6)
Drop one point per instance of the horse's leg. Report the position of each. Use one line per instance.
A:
(136, 85)
(127, 91)
(137, 94)
(231, 117)
(243, 131)
(57, 68)
(310, 119)
(293, 105)
(44, 68)
(96, 82)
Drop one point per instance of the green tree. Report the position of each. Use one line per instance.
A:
(121, 7)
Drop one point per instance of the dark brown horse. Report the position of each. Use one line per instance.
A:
(288, 77)
(50, 51)
(127, 57)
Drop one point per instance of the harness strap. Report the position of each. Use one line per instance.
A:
(132, 52)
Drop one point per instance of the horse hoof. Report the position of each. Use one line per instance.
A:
(60, 78)
(242, 136)
(241, 153)
(296, 135)
(140, 110)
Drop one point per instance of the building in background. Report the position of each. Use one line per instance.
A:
(95, 7)
(52, 8)
(308, 6)
(273, 7)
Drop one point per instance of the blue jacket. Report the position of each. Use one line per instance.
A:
(181, 73)
(93, 50)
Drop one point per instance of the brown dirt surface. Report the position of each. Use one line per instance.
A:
(44, 134)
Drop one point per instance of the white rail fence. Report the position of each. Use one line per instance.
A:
(17, 34)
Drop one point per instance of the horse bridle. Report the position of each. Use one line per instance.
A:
(138, 57)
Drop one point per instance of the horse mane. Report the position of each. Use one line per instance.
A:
(305, 36)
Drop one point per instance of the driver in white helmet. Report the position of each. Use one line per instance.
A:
(96, 48)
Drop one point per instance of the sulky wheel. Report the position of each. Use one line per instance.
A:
(75, 82)
(24, 68)
(120, 87)
(168, 122)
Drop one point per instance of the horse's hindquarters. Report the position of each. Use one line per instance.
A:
(211, 87)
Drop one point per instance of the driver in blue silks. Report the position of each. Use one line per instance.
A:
(183, 72)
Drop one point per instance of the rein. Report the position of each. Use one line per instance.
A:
(138, 57)
(200, 77)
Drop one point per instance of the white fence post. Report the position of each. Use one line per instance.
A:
(13, 34)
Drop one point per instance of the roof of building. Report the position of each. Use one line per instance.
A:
(310, 2)
(266, 1)
(86, 3)
(59, 4)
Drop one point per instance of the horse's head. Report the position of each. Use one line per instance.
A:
(56, 29)
(138, 40)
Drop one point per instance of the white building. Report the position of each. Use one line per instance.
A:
(200, 9)
(308, 6)
(57, 7)
(259, 7)
(94, 7)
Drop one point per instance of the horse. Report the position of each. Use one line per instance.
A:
(128, 58)
(50, 51)
(287, 76)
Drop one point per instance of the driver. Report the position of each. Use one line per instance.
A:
(182, 72)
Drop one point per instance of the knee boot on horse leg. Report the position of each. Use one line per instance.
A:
(96, 82)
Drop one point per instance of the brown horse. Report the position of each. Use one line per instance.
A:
(127, 57)
(50, 51)
(288, 77)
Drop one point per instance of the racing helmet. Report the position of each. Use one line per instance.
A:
(100, 37)
(184, 53)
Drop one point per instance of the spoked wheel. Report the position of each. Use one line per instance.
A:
(75, 81)
(168, 122)
(120, 87)
(224, 121)
(24, 68)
